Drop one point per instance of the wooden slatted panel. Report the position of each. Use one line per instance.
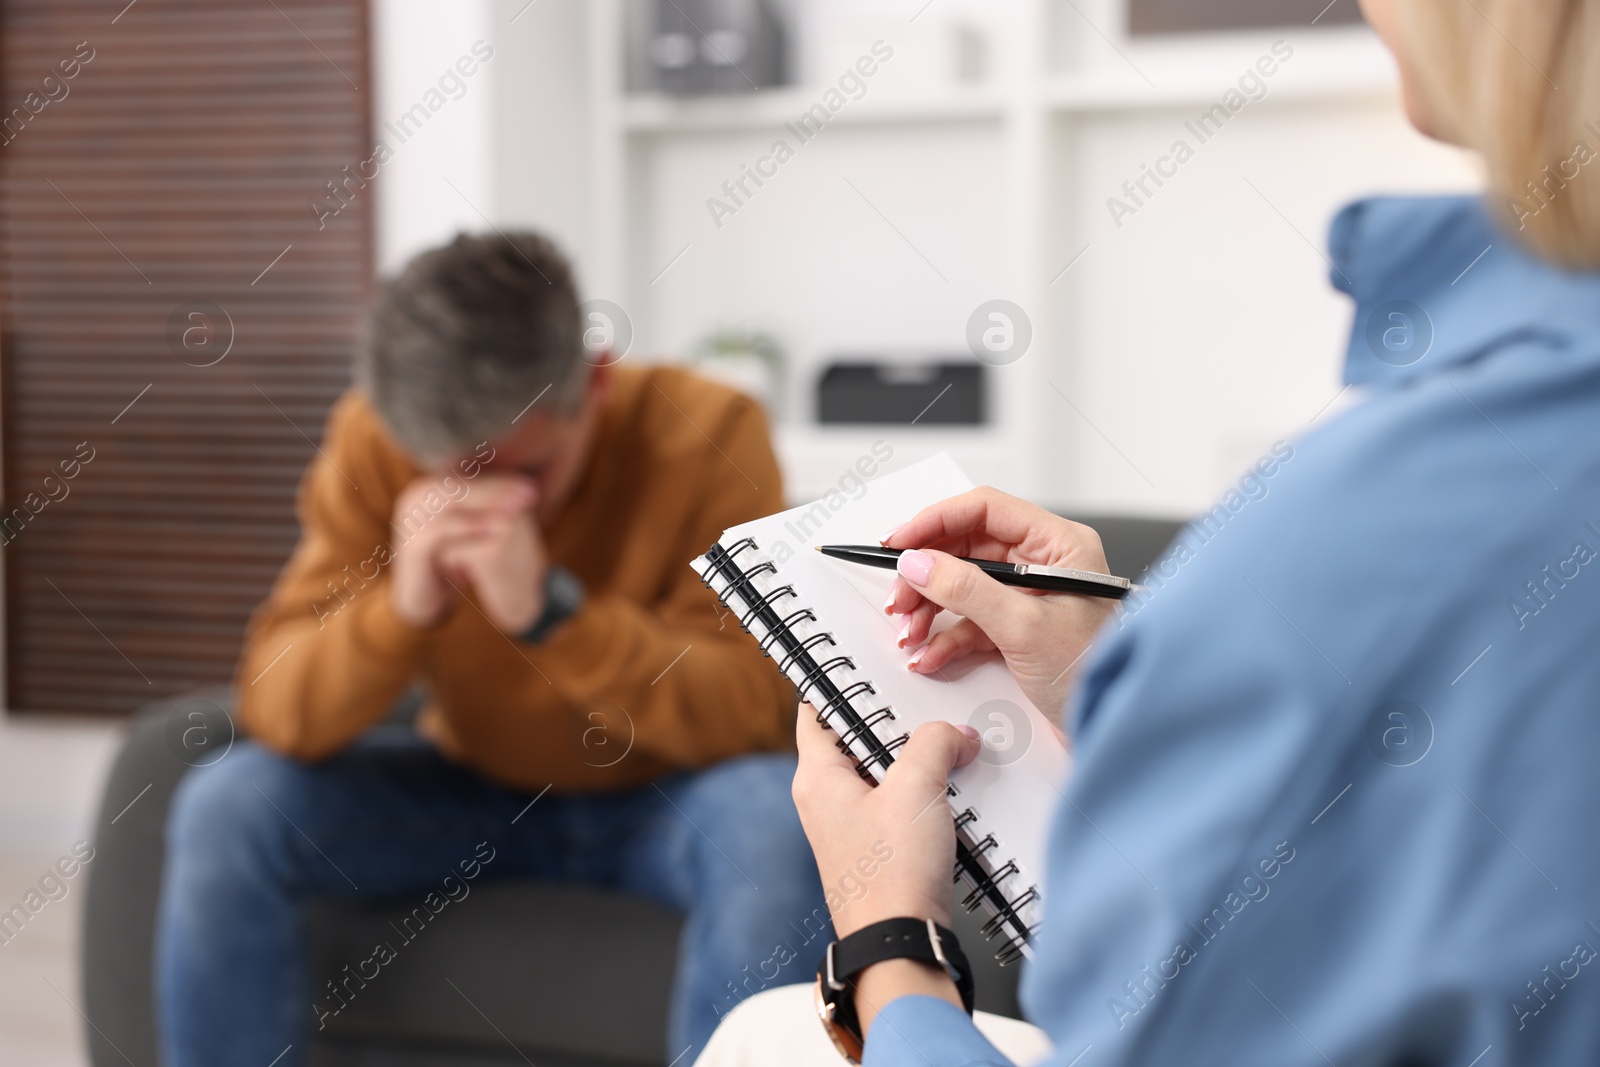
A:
(173, 169)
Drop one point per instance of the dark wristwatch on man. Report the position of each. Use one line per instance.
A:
(892, 939)
(563, 597)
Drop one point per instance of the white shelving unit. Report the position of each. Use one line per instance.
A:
(993, 187)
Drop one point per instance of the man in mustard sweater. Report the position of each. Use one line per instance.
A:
(506, 519)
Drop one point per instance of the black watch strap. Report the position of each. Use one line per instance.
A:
(563, 596)
(892, 939)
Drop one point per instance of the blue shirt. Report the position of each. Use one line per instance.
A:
(1336, 788)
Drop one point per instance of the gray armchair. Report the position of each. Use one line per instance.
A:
(570, 976)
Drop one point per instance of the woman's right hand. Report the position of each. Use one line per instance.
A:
(1041, 635)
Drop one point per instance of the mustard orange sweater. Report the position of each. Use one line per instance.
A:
(651, 666)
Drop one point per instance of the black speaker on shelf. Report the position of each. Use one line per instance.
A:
(717, 46)
(942, 393)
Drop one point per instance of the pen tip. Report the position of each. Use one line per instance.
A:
(816, 548)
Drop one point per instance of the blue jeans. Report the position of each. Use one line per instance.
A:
(253, 838)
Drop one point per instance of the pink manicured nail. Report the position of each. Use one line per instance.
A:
(915, 567)
(900, 642)
(916, 658)
(970, 731)
(888, 604)
(890, 533)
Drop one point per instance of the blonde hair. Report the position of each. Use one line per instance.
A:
(1519, 82)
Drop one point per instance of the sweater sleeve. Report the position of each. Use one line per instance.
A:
(695, 687)
(325, 656)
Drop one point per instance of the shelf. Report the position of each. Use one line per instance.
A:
(654, 115)
(770, 109)
(1079, 95)
(1339, 66)
(814, 435)
(1011, 148)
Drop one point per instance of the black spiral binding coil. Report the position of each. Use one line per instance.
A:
(855, 730)
(801, 650)
(883, 756)
(814, 677)
(858, 689)
(867, 722)
(987, 882)
(763, 603)
(738, 547)
(788, 622)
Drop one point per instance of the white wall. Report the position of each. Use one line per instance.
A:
(441, 179)
(515, 146)
(540, 123)
(1205, 328)
(811, 257)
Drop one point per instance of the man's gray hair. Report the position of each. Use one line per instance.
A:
(466, 336)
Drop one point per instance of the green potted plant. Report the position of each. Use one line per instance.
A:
(751, 361)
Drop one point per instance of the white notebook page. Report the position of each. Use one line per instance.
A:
(1016, 782)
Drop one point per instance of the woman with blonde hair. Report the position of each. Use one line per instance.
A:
(1335, 784)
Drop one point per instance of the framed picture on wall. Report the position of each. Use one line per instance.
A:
(1147, 17)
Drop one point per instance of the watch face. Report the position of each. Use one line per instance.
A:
(848, 1044)
(564, 591)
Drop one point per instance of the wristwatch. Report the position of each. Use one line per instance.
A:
(563, 597)
(892, 939)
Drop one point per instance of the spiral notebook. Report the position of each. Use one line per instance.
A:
(822, 622)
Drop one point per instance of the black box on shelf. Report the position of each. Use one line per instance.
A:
(929, 394)
(716, 46)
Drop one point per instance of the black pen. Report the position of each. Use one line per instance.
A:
(1025, 575)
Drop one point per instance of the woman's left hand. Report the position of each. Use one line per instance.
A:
(884, 851)
(854, 826)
